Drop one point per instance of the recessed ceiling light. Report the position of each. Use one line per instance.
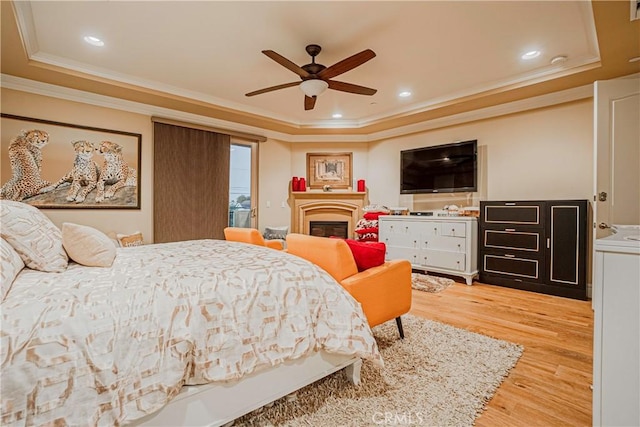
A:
(337, 116)
(404, 94)
(531, 54)
(94, 41)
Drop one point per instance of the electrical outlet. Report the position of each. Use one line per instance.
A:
(268, 203)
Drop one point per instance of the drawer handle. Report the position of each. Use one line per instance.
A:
(509, 204)
(509, 255)
(509, 229)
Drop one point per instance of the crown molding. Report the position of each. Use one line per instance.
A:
(59, 92)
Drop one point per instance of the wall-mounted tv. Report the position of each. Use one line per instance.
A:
(449, 168)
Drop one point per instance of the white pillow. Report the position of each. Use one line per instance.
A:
(33, 236)
(88, 246)
(11, 265)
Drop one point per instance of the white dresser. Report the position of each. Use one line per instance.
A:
(616, 339)
(439, 244)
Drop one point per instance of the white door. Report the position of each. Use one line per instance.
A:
(617, 154)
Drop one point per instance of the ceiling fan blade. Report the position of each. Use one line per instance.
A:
(272, 88)
(347, 64)
(309, 102)
(351, 88)
(286, 63)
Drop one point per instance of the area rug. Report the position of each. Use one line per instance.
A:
(424, 282)
(437, 376)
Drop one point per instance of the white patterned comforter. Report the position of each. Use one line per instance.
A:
(104, 346)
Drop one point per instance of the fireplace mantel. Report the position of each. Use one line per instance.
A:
(307, 206)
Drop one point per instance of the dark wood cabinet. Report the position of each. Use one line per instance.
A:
(539, 246)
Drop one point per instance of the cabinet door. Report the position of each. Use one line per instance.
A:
(566, 243)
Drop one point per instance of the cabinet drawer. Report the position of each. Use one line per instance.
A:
(398, 234)
(513, 213)
(394, 252)
(448, 260)
(454, 229)
(444, 243)
(511, 239)
(513, 266)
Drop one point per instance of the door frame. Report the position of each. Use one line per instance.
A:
(254, 146)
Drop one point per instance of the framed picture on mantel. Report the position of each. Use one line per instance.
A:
(332, 169)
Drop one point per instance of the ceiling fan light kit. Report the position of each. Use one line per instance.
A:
(316, 77)
(314, 87)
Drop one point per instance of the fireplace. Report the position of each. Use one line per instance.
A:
(329, 229)
(309, 207)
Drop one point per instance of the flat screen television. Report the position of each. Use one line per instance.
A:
(449, 168)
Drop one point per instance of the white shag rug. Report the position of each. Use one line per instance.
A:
(427, 283)
(438, 375)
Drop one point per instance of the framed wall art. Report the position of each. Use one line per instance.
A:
(329, 169)
(61, 165)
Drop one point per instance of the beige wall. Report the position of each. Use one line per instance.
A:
(541, 154)
(280, 161)
(107, 220)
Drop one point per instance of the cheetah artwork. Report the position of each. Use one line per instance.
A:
(114, 172)
(25, 157)
(84, 173)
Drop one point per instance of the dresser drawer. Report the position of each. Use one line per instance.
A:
(512, 239)
(530, 269)
(439, 259)
(522, 213)
(453, 229)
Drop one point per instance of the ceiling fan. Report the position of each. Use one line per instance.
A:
(316, 78)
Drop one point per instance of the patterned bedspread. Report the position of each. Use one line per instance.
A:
(110, 345)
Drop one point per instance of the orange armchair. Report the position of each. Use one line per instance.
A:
(250, 235)
(384, 292)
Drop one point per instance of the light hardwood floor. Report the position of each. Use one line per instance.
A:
(550, 385)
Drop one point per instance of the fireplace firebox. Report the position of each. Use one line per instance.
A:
(329, 229)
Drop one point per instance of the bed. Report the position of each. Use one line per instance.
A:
(178, 333)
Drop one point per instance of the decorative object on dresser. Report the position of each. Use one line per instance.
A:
(437, 244)
(538, 246)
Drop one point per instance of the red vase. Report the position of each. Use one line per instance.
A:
(295, 184)
(302, 184)
(361, 187)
